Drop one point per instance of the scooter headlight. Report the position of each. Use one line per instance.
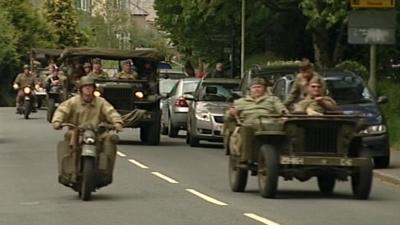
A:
(27, 90)
(89, 137)
(97, 93)
(139, 95)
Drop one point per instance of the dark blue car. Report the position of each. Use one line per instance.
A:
(353, 96)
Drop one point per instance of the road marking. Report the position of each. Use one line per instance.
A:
(166, 178)
(121, 154)
(207, 198)
(260, 219)
(138, 164)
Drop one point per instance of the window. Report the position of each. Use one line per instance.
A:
(84, 5)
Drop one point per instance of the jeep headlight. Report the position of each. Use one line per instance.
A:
(204, 116)
(139, 94)
(374, 129)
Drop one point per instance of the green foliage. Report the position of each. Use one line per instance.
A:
(354, 66)
(324, 13)
(391, 110)
(62, 16)
(116, 28)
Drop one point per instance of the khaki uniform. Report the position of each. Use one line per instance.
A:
(77, 112)
(23, 80)
(130, 76)
(249, 110)
(312, 107)
(102, 75)
(298, 91)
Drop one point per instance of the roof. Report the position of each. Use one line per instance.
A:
(221, 80)
(42, 52)
(113, 53)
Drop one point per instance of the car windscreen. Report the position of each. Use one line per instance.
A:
(349, 91)
(222, 92)
(166, 85)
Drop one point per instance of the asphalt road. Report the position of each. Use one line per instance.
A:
(170, 184)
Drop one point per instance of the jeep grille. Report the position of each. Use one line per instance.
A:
(321, 138)
(118, 97)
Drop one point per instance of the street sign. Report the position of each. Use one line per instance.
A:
(372, 3)
(372, 26)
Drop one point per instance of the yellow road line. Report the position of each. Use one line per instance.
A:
(260, 219)
(164, 177)
(138, 164)
(207, 198)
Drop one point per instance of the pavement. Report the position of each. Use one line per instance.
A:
(392, 174)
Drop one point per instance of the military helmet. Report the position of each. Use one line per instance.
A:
(96, 61)
(258, 80)
(87, 64)
(305, 64)
(316, 80)
(128, 61)
(86, 80)
(26, 66)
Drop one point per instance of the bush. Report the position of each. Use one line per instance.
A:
(355, 67)
(391, 110)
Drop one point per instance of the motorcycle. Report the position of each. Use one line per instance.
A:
(86, 163)
(27, 107)
(54, 98)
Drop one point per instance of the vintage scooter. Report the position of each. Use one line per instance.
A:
(28, 105)
(85, 163)
(55, 95)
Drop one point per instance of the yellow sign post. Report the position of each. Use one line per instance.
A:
(372, 3)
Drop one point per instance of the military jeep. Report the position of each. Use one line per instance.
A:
(138, 100)
(298, 146)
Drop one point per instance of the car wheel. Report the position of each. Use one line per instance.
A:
(326, 183)
(172, 131)
(361, 179)
(382, 161)
(268, 171)
(237, 176)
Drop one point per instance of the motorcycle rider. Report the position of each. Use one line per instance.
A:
(22, 80)
(86, 108)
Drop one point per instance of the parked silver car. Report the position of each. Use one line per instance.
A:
(209, 102)
(176, 106)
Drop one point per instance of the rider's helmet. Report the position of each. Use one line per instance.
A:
(86, 80)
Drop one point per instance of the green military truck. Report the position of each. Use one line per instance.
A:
(298, 146)
(137, 100)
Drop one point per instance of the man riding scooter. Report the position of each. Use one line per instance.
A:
(24, 84)
(84, 114)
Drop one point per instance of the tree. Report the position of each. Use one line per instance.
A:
(62, 16)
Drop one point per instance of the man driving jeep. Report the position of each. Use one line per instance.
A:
(315, 103)
(247, 110)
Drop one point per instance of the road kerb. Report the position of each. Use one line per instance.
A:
(387, 178)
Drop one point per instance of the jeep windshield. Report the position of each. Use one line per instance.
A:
(349, 90)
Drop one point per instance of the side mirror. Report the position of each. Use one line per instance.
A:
(382, 99)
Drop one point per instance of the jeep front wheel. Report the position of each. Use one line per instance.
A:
(268, 171)
(237, 176)
(361, 179)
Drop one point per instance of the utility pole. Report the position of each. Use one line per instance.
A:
(242, 49)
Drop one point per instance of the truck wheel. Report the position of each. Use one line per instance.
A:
(143, 134)
(237, 176)
(268, 171)
(361, 179)
(51, 108)
(27, 109)
(326, 183)
(382, 161)
(88, 178)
